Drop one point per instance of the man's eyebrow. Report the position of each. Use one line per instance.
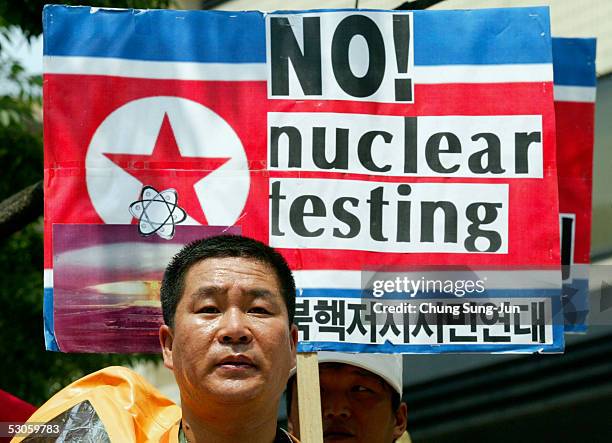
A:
(213, 290)
(207, 291)
(260, 293)
(368, 374)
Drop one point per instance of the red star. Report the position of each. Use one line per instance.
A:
(167, 168)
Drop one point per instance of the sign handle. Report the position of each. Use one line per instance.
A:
(309, 398)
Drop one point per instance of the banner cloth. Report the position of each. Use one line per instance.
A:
(354, 141)
(575, 82)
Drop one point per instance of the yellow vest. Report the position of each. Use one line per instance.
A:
(115, 401)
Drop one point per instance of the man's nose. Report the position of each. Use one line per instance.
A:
(334, 405)
(234, 327)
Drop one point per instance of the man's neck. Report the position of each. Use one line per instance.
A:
(241, 423)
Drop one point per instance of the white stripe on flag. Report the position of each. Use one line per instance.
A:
(328, 279)
(575, 94)
(258, 71)
(154, 70)
(483, 73)
(48, 278)
(493, 279)
(343, 279)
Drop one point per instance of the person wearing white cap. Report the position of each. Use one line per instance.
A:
(360, 398)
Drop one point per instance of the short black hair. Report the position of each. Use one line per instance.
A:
(222, 246)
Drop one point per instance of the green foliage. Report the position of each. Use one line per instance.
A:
(30, 372)
(21, 154)
(27, 14)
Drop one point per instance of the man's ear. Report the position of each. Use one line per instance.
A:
(293, 337)
(290, 427)
(401, 420)
(165, 340)
(293, 413)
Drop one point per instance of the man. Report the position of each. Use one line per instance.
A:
(360, 398)
(229, 338)
(228, 304)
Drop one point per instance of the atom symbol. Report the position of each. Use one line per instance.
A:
(157, 212)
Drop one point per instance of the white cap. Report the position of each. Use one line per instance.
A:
(386, 366)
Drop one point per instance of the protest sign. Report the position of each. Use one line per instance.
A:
(575, 80)
(361, 144)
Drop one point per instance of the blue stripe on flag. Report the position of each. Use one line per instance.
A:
(557, 346)
(486, 36)
(574, 61)
(490, 36)
(49, 329)
(155, 35)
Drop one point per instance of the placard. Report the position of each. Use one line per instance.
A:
(359, 143)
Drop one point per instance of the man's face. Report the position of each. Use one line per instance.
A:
(356, 406)
(231, 342)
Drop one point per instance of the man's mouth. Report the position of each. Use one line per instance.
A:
(237, 362)
(337, 433)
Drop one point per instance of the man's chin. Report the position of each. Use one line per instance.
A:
(339, 438)
(236, 390)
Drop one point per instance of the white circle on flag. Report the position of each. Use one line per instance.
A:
(199, 132)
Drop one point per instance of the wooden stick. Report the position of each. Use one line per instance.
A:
(309, 398)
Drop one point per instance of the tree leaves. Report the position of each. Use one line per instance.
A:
(32, 373)
(28, 14)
